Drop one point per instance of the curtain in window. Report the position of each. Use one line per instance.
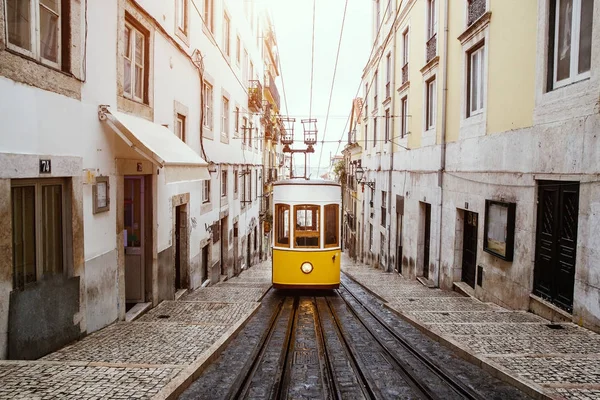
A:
(18, 13)
(49, 25)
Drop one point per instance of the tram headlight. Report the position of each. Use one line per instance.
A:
(306, 267)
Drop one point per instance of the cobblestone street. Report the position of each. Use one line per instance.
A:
(149, 357)
(525, 349)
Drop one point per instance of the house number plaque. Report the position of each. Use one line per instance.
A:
(45, 167)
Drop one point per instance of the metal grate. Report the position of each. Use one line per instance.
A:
(431, 49)
(405, 73)
(476, 10)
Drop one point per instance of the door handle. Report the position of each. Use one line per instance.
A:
(333, 258)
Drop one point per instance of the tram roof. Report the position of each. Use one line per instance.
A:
(308, 182)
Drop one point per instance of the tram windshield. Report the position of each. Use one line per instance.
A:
(306, 233)
(282, 225)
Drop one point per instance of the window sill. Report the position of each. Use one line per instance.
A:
(403, 87)
(475, 27)
(182, 36)
(430, 65)
(135, 107)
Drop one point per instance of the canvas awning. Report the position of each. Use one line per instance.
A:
(159, 145)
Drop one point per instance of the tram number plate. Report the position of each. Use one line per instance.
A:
(305, 357)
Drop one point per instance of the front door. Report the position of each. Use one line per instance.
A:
(469, 259)
(399, 218)
(223, 233)
(426, 240)
(134, 239)
(180, 242)
(556, 242)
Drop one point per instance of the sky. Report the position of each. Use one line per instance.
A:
(293, 22)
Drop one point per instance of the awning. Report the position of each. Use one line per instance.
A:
(157, 144)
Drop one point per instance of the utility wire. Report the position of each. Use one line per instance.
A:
(332, 84)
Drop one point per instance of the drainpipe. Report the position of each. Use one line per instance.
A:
(393, 108)
(443, 138)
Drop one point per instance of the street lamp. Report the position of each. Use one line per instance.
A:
(360, 178)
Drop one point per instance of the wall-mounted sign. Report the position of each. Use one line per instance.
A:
(139, 167)
(101, 195)
(499, 232)
(45, 167)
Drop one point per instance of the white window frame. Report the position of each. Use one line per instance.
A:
(431, 20)
(405, 46)
(34, 34)
(388, 75)
(206, 191)
(430, 103)
(224, 183)
(227, 34)
(225, 117)
(375, 91)
(479, 74)
(237, 121)
(404, 111)
(238, 50)
(181, 16)
(208, 14)
(387, 125)
(574, 74)
(180, 127)
(208, 105)
(133, 32)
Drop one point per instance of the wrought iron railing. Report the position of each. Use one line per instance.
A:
(431, 50)
(476, 10)
(405, 73)
(255, 95)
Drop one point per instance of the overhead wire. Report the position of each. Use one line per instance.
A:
(332, 84)
(368, 62)
(312, 68)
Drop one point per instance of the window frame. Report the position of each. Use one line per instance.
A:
(574, 45)
(375, 91)
(375, 131)
(388, 64)
(383, 217)
(478, 49)
(182, 30)
(208, 105)
(431, 20)
(307, 233)
(38, 185)
(227, 34)
(224, 183)
(279, 209)
(404, 117)
(35, 34)
(208, 15)
(225, 117)
(180, 120)
(337, 225)
(206, 191)
(235, 182)
(387, 126)
(135, 29)
(430, 103)
(238, 50)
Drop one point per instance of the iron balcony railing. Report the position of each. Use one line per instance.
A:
(255, 95)
(431, 49)
(405, 73)
(476, 10)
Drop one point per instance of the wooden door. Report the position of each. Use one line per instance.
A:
(556, 242)
(469, 259)
(426, 240)
(134, 239)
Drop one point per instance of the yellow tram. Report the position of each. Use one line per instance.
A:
(306, 234)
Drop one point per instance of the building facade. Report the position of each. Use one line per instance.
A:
(132, 155)
(480, 134)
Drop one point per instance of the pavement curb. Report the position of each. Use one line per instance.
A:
(532, 389)
(177, 385)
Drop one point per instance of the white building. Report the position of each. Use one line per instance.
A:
(112, 190)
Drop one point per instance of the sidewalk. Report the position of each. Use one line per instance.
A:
(152, 357)
(519, 347)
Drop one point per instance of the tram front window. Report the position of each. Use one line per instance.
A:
(331, 225)
(282, 225)
(306, 226)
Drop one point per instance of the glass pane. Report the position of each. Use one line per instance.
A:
(127, 77)
(23, 224)
(585, 35)
(127, 42)
(563, 55)
(49, 35)
(283, 224)
(52, 228)
(180, 14)
(139, 80)
(139, 49)
(474, 80)
(133, 212)
(481, 75)
(18, 13)
(331, 234)
(51, 4)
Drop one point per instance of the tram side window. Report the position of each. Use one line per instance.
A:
(331, 225)
(282, 225)
(307, 226)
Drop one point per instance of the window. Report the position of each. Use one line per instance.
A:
(225, 117)
(374, 131)
(223, 183)
(245, 130)
(430, 104)
(366, 135)
(39, 230)
(135, 48)
(208, 105)
(388, 75)
(431, 19)
(571, 38)
(377, 16)
(375, 84)
(181, 16)
(382, 246)
(306, 232)
(235, 181)
(405, 47)
(237, 121)
(387, 125)
(180, 127)
(208, 14)
(331, 225)
(475, 85)
(245, 67)
(370, 236)
(383, 207)
(226, 34)
(244, 193)
(238, 50)
(404, 117)
(35, 29)
(255, 184)
(206, 191)
(282, 225)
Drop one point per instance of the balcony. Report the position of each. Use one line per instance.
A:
(270, 83)
(475, 11)
(431, 49)
(405, 73)
(255, 96)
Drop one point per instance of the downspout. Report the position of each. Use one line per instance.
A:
(443, 138)
(390, 187)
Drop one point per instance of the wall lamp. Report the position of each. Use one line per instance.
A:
(360, 178)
